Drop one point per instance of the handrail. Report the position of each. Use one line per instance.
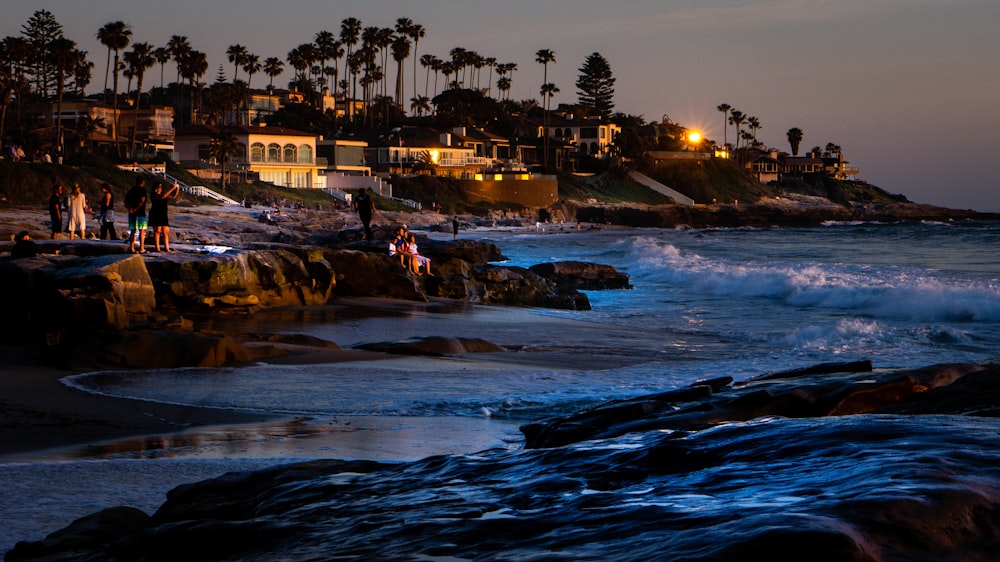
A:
(196, 190)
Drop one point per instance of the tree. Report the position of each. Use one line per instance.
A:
(326, 49)
(63, 58)
(596, 86)
(794, 135)
(737, 117)
(115, 36)
(40, 30)
(272, 67)
(755, 126)
(400, 52)
(162, 56)
(350, 33)
(420, 104)
(82, 72)
(179, 49)
(417, 32)
(251, 65)
(222, 147)
(139, 59)
(544, 57)
(724, 109)
(236, 55)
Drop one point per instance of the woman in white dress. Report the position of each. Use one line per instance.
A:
(77, 213)
(418, 260)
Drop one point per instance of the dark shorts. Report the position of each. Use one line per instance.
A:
(56, 224)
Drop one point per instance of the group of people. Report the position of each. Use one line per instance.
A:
(404, 245)
(136, 200)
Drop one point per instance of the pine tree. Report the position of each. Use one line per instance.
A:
(596, 86)
(40, 30)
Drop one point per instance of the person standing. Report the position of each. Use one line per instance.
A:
(454, 228)
(135, 201)
(55, 210)
(77, 213)
(158, 218)
(107, 213)
(365, 206)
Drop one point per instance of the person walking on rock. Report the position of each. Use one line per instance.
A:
(365, 206)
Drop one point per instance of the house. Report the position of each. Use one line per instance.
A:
(589, 136)
(284, 157)
(772, 166)
(415, 149)
(91, 122)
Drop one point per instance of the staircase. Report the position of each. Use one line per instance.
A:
(658, 187)
(196, 190)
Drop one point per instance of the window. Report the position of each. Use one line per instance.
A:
(583, 148)
(273, 152)
(241, 153)
(594, 148)
(289, 153)
(305, 154)
(588, 132)
(204, 152)
(257, 153)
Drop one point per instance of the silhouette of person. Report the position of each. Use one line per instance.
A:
(365, 206)
(55, 210)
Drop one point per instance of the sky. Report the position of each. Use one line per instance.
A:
(910, 89)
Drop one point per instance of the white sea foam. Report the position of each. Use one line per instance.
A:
(886, 292)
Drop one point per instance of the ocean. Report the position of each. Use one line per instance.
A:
(704, 303)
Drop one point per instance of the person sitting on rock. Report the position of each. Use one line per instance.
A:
(24, 246)
(398, 247)
(416, 259)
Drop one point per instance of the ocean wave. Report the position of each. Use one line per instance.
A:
(877, 291)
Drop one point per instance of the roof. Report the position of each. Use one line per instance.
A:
(208, 130)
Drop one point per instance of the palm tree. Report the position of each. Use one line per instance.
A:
(162, 56)
(420, 104)
(251, 65)
(223, 146)
(326, 47)
(236, 54)
(755, 126)
(737, 117)
(139, 59)
(62, 56)
(400, 51)
(350, 33)
(179, 49)
(86, 126)
(272, 67)
(724, 108)
(544, 57)
(417, 32)
(193, 67)
(795, 135)
(115, 36)
(82, 72)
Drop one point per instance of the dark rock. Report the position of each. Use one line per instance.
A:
(584, 276)
(433, 346)
(94, 532)
(827, 391)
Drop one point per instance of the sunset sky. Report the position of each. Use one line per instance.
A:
(909, 88)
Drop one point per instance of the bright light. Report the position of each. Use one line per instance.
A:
(694, 137)
(435, 156)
